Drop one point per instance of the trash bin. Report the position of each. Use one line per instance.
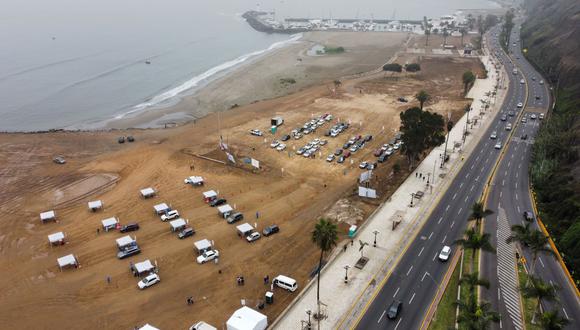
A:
(270, 297)
(273, 129)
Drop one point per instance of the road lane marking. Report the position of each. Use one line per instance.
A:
(430, 235)
(454, 195)
(500, 193)
(516, 196)
(472, 188)
(444, 238)
(447, 208)
(541, 262)
(517, 187)
(498, 294)
(518, 209)
(452, 223)
(409, 271)
(412, 297)
(380, 318)
(423, 248)
(399, 288)
(438, 222)
(467, 176)
(396, 326)
(517, 174)
(502, 183)
(565, 314)
(435, 256)
(460, 185)
(422, 278)
(466, 198)
(461, 209)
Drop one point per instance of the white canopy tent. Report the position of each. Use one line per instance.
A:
(161, 208)
(202, 245)
(48, 216)
(95, 205)
(246, 318)
(245, 229)
(177, 224)
(125, 241)
(67, 261)
(194, 180)
(148, 192)
(110, 223)
(209, 195)
(225, 210)
(56, 238)
(143, 267)
(148, 327)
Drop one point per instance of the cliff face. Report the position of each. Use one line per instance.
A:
(551, 34)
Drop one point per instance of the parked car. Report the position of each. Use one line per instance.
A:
(121, 139)
(402, 99)
(394, 309)
(533, 116)
(270, 230)
(285, 137)
(217, 202)
(372, 166)
(524, 119)
(129, 251)
(340, 160)
(173, 214)
(338, 152)
(382, 158)
(253, 237)
(378, 152)
(508, 127)
(281, 147)
(541, 116)
(330, 158)
(445, 253)
(363, 165)
(148, 281)
(541, 82)
(129, 227)
(346, 145)
(368, 138)
(354, 148)
(323, 142)
(300, 151)
(275, 143)
(208, 255)
(130, 138)
(256, 132)
(186, 233)
(235, 217)
(59, 160)
(524, 137)
(346, 154)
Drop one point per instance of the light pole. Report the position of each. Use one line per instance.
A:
(375, 242)
(346, 267)
(434, 165)
(309, 312)
(449, 127)
(412, 196)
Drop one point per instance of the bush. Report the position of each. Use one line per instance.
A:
(333, 50)
(395, 67)
(396, 168)
(412, 67)
(288, 81)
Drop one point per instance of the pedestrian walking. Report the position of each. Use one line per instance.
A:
(108, 279)
(423, 178)
(98, 230)
(344, 247)
(257, 214)
(351, 242)
(416, 174)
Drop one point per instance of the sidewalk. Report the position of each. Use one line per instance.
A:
(344, 302)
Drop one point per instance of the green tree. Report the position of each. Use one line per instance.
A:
(539, 290)
(520, 234)
(468, 80)
(551, 320)
(474, 315)
(422, 97)
(325, 237)
(475, 241)
(395, 67)
(538, 243)
(472, 280)
(463, 31)
(421, 130)
(479, 212)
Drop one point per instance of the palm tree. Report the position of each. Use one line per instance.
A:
(474, 316)
(551, 320)
(520, 234)
(468, 79)
(538, 242)
(540, 290)
(445, 35)
(472, 280)
(422, 97)
(463, 31)
(479, 212)
(475, 241)
(427, 34)
(325, 237)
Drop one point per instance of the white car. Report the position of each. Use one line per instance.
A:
(307, 154)
(533, 116)
(522, 82)
(297, 136)
(445, 253)
(493, 135)
(508, 127)
(498, 145)
(541, 116)
(274, 144)
(330, 158)
(253, 237)
(323, 142)
(541, 82)
(281, 147)
(256, 132)
(520, 105)
(208, 256)
(148, 281)
(173, 214)
(363, 165)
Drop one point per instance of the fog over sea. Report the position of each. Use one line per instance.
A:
(75, 64)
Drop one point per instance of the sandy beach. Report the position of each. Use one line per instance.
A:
(261, 78)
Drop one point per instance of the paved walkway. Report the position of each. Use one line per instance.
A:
(344, 301)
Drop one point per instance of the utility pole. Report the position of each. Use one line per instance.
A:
(449, 127)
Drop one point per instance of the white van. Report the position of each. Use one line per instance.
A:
(285, 282)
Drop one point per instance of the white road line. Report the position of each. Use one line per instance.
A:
(500, 193)
(502, 183)
(498, 294)
(412, 297)
(432, 234)
(396, 326)
(565, 314)
(461, 209)
(452, 224)
(517, 174)
(517, 187)
(409, 271)
(444, 238)
(447, 208)
(541, 262)
(467, 176)
(438, 222)
(422, 278)
(455, 195)
(380, 318)
(472, 167)
(516, 196)
(518, 209)
(461, 185)
(466, 198)
(399, 288)
(471, 188)
(423, 248)
(435, 256)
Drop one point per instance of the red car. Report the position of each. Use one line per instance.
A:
(346, 154)
(378, 152)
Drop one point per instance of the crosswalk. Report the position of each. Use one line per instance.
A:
(506, 271)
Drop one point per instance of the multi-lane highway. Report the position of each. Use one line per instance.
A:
(509, 198)
(415, 279)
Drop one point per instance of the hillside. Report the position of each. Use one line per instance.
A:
(550, 35)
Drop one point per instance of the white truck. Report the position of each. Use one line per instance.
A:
(202, 326)
(277, 121)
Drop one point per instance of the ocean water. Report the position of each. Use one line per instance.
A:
(71, 63)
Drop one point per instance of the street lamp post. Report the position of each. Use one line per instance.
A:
(434, 165)
(375, 242)
(309, 312)
(412, 196)
(449, 127)
(346, 267)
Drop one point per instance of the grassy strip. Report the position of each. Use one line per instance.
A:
(444, 318)
(528, 304)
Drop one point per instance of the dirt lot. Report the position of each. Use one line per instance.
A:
(290, 191)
